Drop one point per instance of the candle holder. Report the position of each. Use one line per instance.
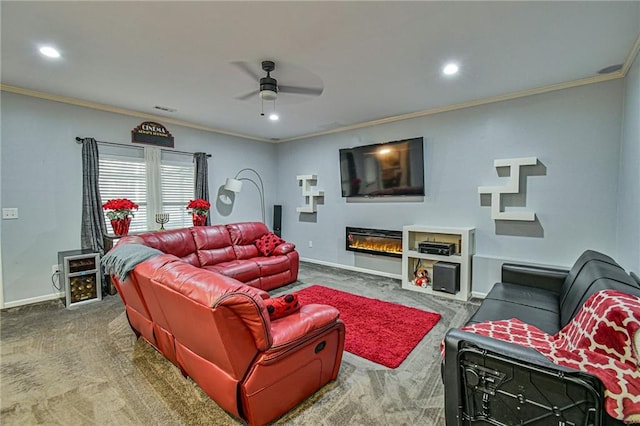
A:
(162, 218)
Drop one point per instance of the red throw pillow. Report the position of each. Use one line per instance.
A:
(282, 306)
(267, 243)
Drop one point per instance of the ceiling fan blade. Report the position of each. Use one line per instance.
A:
(247, 68)
(313, 91)
(248, 95)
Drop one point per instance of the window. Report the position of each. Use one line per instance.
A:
(125, 177)
(178, 182)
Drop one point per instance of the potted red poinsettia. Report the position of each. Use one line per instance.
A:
(199, 211)
(120, 212)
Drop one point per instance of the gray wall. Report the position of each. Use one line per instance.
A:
(575, 133)
(42, 173)
(629, 187)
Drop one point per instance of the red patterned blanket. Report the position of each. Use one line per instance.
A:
(603, 339)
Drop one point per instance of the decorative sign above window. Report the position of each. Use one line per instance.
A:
(152, 133)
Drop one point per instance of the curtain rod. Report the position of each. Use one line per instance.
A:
(122, 145)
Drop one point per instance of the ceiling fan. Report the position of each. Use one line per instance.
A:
(269, 87)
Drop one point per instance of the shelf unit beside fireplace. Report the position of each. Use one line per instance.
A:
(462, 238)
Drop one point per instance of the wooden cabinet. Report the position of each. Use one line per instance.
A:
(463, 239)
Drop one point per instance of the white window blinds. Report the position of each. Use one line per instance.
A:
(177, 180)
(125, 177)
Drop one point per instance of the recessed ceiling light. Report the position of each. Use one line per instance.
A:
(274, 117)
(49, 52)
(450, 69)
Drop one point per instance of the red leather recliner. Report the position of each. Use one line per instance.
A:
(226, 249)
(217, 329)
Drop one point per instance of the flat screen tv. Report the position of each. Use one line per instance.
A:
(383, 170)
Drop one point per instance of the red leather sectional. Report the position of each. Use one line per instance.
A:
(201, 305)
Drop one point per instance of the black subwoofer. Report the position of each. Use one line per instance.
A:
(277, 220)
(446, 277)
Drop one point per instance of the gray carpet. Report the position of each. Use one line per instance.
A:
(84, 366)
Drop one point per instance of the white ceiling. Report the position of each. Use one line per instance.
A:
(374, 59)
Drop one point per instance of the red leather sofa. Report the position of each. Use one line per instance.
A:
(201, 304)
(229, 250)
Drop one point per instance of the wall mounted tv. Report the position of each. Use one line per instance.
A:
(383, 170)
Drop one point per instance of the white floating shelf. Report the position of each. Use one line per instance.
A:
(310, 193)
(512, 187)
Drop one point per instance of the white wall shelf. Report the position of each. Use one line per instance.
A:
(512, 187)
(462, 238)
(309, 193)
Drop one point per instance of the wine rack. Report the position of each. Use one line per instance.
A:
(81, 274)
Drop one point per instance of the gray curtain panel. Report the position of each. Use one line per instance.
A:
(93, 225)
(202, 179)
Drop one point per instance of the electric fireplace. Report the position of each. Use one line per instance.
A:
(374, 241)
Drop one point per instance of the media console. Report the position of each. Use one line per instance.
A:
(448, 275)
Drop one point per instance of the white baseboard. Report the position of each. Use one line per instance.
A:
(29, 301)
(478, 294)
(352, 268)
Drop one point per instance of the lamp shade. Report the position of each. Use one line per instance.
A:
(233, 185)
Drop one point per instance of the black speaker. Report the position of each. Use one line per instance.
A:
(446, 277)
(277, 220)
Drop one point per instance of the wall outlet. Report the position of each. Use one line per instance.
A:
(55, 269)
(310, 243)
(9, 213)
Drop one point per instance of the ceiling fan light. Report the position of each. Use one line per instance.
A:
(268, 95)
(274, 117)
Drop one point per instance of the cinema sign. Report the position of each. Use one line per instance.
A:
(152, 133)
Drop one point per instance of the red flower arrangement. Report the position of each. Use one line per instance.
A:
(199, 206)
(120, 208)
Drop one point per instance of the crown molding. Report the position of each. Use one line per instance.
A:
(509, 96)
(438, 110)
(470, 104)
(633, 54)
(123, 111)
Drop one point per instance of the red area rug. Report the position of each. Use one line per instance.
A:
(379, 331)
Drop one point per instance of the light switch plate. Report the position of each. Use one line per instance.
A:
(10, 213)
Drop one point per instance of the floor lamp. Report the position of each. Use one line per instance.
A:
(235, 185)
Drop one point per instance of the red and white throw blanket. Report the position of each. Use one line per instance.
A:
(603, 339)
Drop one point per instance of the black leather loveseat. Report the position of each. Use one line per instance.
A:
(489, 381)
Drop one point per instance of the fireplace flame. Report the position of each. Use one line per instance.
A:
(386, 247)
